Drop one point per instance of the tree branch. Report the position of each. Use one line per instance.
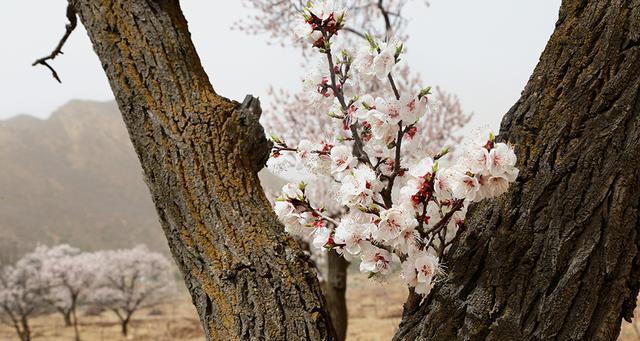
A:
(73, 22)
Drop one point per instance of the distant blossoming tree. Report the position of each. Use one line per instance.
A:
(71, 275)
(131, 279)
(23, 289)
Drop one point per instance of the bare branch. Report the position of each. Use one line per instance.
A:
(73, 22)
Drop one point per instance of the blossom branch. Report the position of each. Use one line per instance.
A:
(359, 151)
(416, 229)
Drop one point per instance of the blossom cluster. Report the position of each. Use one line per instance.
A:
(400, 211)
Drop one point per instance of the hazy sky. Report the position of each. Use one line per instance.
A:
(484, 51)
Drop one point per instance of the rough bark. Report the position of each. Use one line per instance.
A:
(557, 257)
(334, 290)
(200, 154)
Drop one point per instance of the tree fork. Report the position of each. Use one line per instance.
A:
(557, 257)
(200, 154)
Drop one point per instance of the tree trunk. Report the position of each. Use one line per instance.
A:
(24, 331)
(200, 154)
(76, 330)
(557, 257)
(66, 314)
(335, 290)
(124, 326)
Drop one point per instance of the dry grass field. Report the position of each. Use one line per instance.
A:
(375, 310)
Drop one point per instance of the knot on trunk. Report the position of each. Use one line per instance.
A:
(254, 146)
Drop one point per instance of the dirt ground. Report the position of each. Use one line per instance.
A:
(374, 312)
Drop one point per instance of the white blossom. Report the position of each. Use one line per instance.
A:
(393, 222)
(292, 191)
(502, 161)
(476, 160)
(391, 110)
(442, 185)
(342, 158)
(426, 266)
(376, 261)
(363, 62)
(321, 237)
(325, 8)
(424, 167)
(384, 61)
(465, 186)
(353, 234)
(358, 187)
(303, 30)
(314, 84)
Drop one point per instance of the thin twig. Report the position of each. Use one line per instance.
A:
(385, 15)
(393, 86)
(354, 31)
(73, 22)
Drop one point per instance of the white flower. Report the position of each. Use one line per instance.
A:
(324, 9)
(493, 186)
(283, 208)
(384, 61)
(388, 167)
(313, 161)
(391, 110)
(352, 233)
(419, 270)
(427, 267)
(407, 241)
(408, 272)
(411, 188)
(502, 162)
(305, 147)
(376, 260)
(294, 226)
(314, 85)
(442, 184)
(364, 103)
(465, 187)
(476, 160)
(294, 223)
(412, 108)
(303, 30)
(363, 62)
(382, 131)
(480, 136)
(342, 158)
(321, 236)
(433, 214)
(358, 187)
(424, 167)
(393, 222)
(292, 191)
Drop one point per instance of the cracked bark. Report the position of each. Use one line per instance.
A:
(557, 257)
(200, 154)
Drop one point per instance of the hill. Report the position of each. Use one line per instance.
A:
(74, 178)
